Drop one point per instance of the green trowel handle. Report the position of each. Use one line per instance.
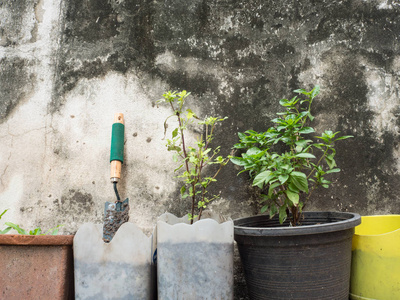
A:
(117, 146)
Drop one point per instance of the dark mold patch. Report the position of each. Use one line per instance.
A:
(203, 15)
(77, 199)
(357, 24)
(94, 20)
(102, 36)
(235, 42)
(20, 26)
(16, 84)
(283, 49)
(396, 113)
(346, 82)
(176, 205)
(368, 157)
(198, 84)
(77, 206)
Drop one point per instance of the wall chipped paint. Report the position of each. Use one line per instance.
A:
(68, 66)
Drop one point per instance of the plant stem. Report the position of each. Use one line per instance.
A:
(318, 163)
(185, 156)
(200, 212)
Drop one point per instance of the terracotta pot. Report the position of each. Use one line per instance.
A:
(36, 267)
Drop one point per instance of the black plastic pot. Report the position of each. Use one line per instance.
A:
(311, 261)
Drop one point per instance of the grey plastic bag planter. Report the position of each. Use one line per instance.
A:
(120, 269)
(194, 261)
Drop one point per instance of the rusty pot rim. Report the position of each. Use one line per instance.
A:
(36, 240)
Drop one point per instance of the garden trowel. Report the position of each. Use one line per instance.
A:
(116, 213)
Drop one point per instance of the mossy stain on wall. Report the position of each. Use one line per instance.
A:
(16, 83)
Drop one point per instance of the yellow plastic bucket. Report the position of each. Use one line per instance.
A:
(375, 272)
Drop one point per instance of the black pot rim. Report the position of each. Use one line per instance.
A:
(334, 221)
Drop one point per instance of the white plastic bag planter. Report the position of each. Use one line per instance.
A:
(194, 261)
(120, 269)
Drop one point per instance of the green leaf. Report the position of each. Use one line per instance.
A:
(306, 130)
(238, 161)
(5, 230)
(280, 128)
(277, 120)
(325, 139)
(190, 114)
(264, 208)
(299, 179)
(183, 190)
(330, 161)
(344, 137)
(173, 148)
(315, 91)
(36, 231)
(294, 197)
(284, 102)
(299, 149)
(301, 91)
(303, 143)
(17, 228)
(273, 210)
(282, 214)
(3, 213)
(262, 178)
(253, 151)
(241, 135)
(178, 168)
(175, 132)
(293, 188)
(272, 187)
(305, 155)
(336, 170)
(283, 178)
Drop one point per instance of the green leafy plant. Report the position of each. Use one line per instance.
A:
(36, 231)
(4, 231)
(284, 162)
(195, 158)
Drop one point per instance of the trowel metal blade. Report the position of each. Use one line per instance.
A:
(115, 214)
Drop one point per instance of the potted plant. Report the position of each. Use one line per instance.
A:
(35, 265)
(293, 254)
(194, 254)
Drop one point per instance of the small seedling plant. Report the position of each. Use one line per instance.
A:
(36, 231)
(284, 162)
(194, 158)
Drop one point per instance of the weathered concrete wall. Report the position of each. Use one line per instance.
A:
(68, 66)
